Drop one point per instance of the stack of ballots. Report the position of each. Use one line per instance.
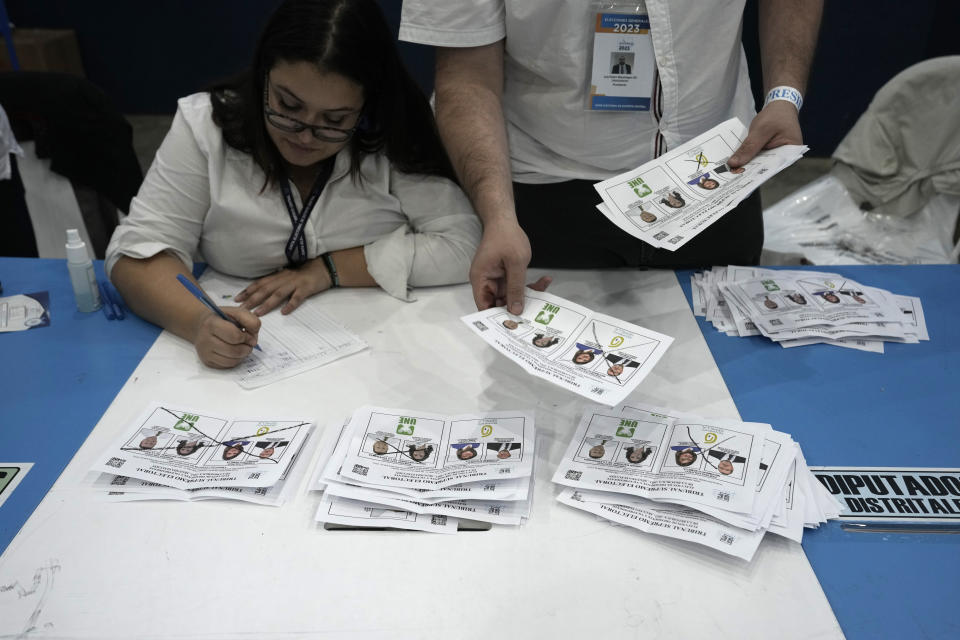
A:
(407, 469)
(185, 453)
(668, 201)
(720, 483)
(797, 308)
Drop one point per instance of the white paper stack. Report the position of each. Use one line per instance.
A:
(797, 308)
(668, 201)
(719, 483)
(177, 453)
(408, 469)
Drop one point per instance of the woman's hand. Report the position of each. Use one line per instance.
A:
(220, 344)
(292, 285)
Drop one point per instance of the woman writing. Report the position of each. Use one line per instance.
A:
(320, 167)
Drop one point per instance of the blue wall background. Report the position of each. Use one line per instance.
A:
(147, 54)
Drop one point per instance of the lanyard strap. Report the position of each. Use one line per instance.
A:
(296, 248)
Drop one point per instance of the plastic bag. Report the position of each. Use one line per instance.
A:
(822, 223)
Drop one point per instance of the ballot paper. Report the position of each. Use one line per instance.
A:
(25, 311)
(798, 308)
(911, 316)
(290, 344)
(124, 489)
(713, 305)
(589, 353)
(689, 477)
(682, 523)
(665, 456)
(354, 513)
(390, 461)
(777, 303)
(497, 512)
(668, 201)
(346, 511)
(777, 459)
(333, 453)
(790, 523)
(419, 450)
(185, 448)
(496, 490)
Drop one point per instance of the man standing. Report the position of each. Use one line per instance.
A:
(511, 78)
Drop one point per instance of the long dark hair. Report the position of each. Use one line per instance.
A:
(350, 38)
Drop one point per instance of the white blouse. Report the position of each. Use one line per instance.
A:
(201, 200)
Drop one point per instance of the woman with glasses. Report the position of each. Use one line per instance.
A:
(319, 167)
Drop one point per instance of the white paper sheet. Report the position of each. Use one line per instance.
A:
(666, 456)
(418, 450)
(668, 201)
(124, 489)
(185, 447)
(672, 521)
(24, 311)
(290, 344)
(354, 513)
(589, 353)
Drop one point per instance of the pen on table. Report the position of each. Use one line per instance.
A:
(109, 302)
(210, 304)
(105, 305)
(115, 301)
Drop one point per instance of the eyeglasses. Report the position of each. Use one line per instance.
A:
(292, 125)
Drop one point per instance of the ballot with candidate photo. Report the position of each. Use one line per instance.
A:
(592, 354)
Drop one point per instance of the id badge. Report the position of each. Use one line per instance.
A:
(623, 63)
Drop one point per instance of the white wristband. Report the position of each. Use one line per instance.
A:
(789, 94)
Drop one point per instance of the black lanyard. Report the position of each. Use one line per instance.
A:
(296, 248)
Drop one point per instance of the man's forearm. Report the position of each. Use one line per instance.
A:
(788, 38)
(469, 86)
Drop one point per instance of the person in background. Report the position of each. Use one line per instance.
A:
(510, 96)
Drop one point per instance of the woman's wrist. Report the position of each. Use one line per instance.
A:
(331, 267)
(317, 269)
(194, 326)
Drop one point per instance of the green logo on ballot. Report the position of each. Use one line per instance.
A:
(641, 188)
(186, 422)
(405, 427)
(626, 428)
(547, 313)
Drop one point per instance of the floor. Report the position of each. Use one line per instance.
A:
(149, 130)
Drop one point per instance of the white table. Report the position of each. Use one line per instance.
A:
(228, 569)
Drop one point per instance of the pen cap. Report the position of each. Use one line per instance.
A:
(76, 247)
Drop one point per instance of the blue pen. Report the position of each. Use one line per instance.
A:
(208, 303)
(113, 299)
(106, 306)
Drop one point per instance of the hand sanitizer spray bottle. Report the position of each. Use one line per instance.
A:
(82, 277)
